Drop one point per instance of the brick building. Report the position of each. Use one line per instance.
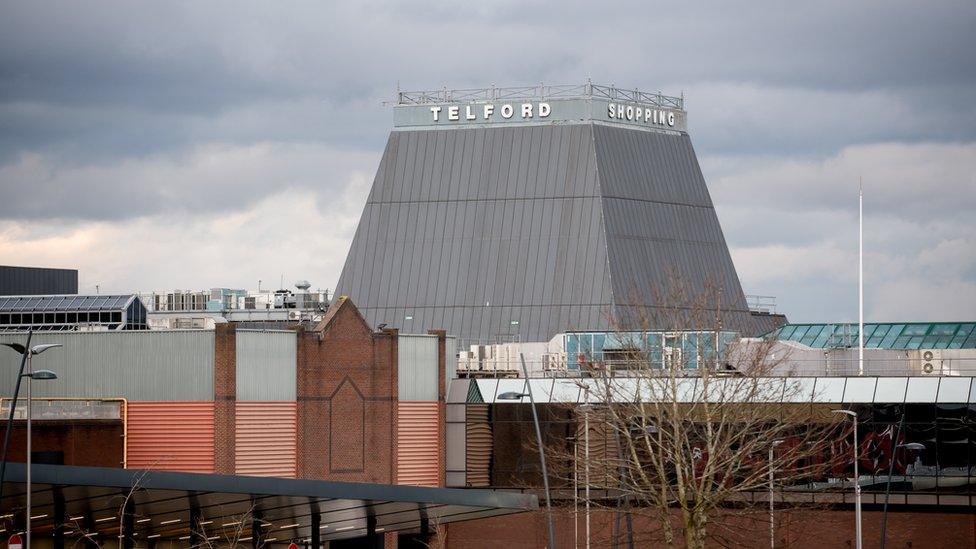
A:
(324, 402)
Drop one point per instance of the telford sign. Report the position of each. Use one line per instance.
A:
(507, 111)
(488, 113)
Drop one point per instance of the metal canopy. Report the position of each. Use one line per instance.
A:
(41, 303)
(164, 505)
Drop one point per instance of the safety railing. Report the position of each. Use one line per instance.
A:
(540, 92)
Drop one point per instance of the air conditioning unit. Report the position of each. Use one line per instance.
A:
(930, 362)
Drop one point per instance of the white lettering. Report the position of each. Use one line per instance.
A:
(436, 111)
(489, 109)
(452, 112)
(526, 110)
(670, 119)
(638, 112)
(507, 111)
(656, 112)
(630, 112)
(544, 110)
(647, 114)
(468, 113)
(610, 110)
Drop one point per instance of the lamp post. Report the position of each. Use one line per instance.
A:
(31, 375)
(22, 350)
(772, 523)
(884, 515)
(586, 459)
(857, 478)
(542, 454)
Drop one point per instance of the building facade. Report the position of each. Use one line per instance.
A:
(512, 214)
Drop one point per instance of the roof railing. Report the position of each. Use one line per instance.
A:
(539, 92)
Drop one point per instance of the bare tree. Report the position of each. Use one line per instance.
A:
(689, 427)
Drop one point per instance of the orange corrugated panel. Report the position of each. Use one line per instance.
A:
(479, 445)
(418, 444)
(171, 436)
(265, 439)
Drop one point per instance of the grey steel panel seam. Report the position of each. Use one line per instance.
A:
(603, 219)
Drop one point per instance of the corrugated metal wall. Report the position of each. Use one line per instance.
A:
(266, 365)
(145, 365)
(265, 438)
(418, 444)
(418, 369)
(479, 446)
(171, 436)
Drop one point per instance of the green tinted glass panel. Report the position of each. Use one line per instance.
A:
(586, 344)
(572, 345)
(902, 342)
(869, 330)
(970, 343)
(874, 342)
(944, 329)
(892, 336)
(965, 329)
(930, 342)
(799, 333)
(882, 330)
(811, 335)
(916, 329)
(599, 341)
(915, 343)
(786, 331)
(821, 339)
(957, 342)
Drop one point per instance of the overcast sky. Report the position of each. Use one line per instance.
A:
(189, 145)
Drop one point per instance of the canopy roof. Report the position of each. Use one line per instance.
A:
(37, 303)
(165, 504)
(888, 335)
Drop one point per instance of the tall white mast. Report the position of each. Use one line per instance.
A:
(860, 277)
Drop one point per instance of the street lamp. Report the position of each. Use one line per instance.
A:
(512, 395)
(916, 446)
(772, 523)
(857, 478)
(31, 375)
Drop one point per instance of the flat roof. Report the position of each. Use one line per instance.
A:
(162, 503)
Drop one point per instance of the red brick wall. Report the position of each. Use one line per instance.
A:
(89, 443)
(796, 530)
(346, 392)
(225, 395)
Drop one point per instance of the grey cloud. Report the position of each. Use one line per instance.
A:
(131, 115)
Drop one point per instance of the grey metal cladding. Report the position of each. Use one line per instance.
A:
(37, 281)
(526, 231)
(660, 223)
(136, 365)
(266, 365)
(418, 367)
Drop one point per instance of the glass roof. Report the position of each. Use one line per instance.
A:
(890, 335)
(28, 304)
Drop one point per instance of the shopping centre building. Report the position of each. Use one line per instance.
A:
(512, 214)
